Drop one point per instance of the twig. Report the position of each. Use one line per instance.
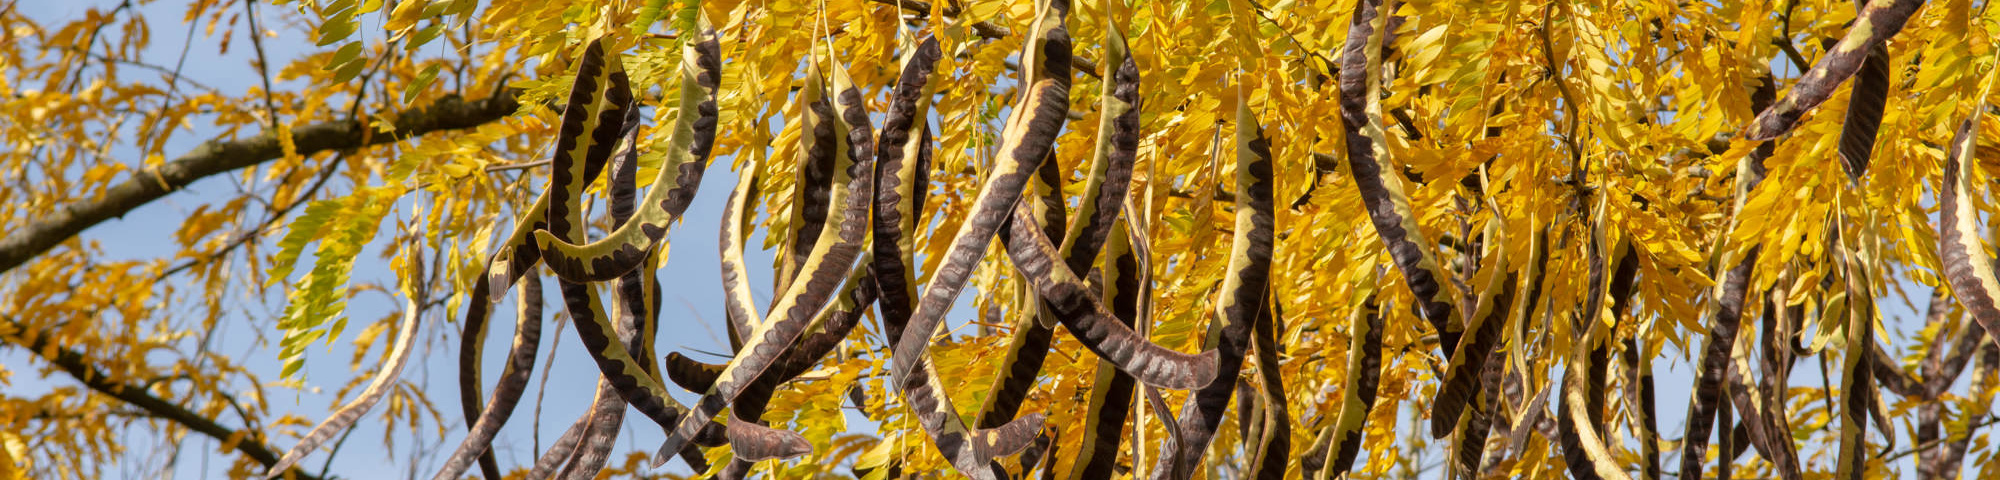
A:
(1784, 40)
(253, 234)
(517, 166)
(1261, 12)
(263, 66)
(1989, 420)
(84, 370)
(1578, 168)
(174, 77)
(77, 79)
(335, 452)
(547, 366)
(1792, 52)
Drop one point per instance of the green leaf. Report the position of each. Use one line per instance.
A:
(303, 231)
(343, 56)
(342, 228)
(648, 14)
(423, 37)
(349, 71)
(422, 81)
(336, 28)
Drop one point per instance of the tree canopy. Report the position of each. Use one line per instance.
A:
(1056, 238)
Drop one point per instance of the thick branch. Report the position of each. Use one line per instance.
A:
(79, 366)
(217, 156)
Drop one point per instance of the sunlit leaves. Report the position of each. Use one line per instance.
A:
(1660, 93)
(340, 229)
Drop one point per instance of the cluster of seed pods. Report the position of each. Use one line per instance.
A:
(860, 192)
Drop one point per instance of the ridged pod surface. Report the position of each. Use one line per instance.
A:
(1381, 188)
(1108, 180)
(1477, 360)
(1273, 448)
(1034, 328)
(1857, 390)
(635, 311)
(826, 267)
(1245, 289)
(589, 135)
(828, 330)
(1084, 314)
(1463, 372)
(899, 193)
(1111, 390)
(1961, 249)
(1731, 288)
(1580, 430)
(739, 307)
(1358, 389)
(506, 394)
(688, 145)
(1026, 140)
(586, 123)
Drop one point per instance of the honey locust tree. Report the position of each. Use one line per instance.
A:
(1161, 239)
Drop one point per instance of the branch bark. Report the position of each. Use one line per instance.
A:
(220, 156)
(81, 367)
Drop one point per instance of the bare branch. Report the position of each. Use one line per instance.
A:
(219, 156)
(84, 369)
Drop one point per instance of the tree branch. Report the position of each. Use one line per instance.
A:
(78, 366)
(218, 156)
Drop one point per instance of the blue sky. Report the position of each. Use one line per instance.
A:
(690, 283)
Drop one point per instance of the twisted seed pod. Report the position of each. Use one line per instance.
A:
(1358, 389)
(1274, 445)
(589, 121)
(1973, 280)
(1245, 291)
(1111, 390)
(899, 191)
(1467, 374)
(738, 305)
(1029, 345)
(1731, 286)
(828, 330)
(1878, 21)
(826, 267)
(635, 312)
(507, 394)
(587, 137)
(1864, 112)
(607, 414)
(1857, 389)
(560, 452)
(689, 142)
(1462, 375)
(1382, 189)
(1577, 417)
(1027, 139)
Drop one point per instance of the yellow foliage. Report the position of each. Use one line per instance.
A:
(1547, 111)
